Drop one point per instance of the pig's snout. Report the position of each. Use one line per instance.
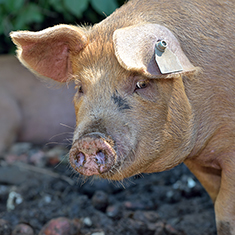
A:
(92, 155)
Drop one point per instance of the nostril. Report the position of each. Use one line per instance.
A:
(100, 158)
(80, 159)
(92, 156)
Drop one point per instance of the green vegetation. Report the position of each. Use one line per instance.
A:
(39, 14)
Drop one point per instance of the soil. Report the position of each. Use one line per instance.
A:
(37, 185)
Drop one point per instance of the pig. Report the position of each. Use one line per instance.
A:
(29, 111)
(155, 88)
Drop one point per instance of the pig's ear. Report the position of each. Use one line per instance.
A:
(48, 52)
(136, 48)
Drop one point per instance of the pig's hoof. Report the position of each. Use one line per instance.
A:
(92, 155)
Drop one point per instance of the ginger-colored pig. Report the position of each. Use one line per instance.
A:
(155, 88)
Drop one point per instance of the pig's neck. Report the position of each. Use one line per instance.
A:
(212, 104)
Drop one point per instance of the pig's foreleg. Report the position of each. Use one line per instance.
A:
(209, 178)
(221, 187)
(10, 119)
(225, 201)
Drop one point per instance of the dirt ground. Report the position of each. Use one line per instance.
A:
(37, 185)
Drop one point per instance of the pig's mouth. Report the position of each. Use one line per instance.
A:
(93, 155)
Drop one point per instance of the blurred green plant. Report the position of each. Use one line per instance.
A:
(39, 14)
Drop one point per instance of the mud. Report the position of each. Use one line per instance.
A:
(37, 185)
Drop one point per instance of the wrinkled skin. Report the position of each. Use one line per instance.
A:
(130, 118)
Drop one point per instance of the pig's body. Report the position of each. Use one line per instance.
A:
(29, 111)
(131, 118)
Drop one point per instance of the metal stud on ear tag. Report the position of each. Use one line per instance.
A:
(167, 61)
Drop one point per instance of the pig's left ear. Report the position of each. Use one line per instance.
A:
(152, 50)
(47, 53)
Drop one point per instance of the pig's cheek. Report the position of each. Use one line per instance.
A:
(125, 141)
(122, 150)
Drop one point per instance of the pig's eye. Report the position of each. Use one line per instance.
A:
(141, 84)
(79, 88)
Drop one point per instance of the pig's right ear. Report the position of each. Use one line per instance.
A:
(48, 52)
(137, 49)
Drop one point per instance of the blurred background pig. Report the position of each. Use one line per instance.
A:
(29, 111)
(136, 112)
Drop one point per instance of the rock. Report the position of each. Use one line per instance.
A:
(20, 148)
(5, 227)
(56, 155)
(170, 230)
(23, 229)
(98, 233)
(114, 211)
(100, 200)
(87, 221)
(134, 205)
(14, 199)
(160, 228)
(139, 226)
(61, 226)
(13, 175)
(146, 216)
(4, 191)
(38, 159)
(89, 188)
(13, 158)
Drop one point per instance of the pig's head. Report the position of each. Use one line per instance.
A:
(130, 118)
